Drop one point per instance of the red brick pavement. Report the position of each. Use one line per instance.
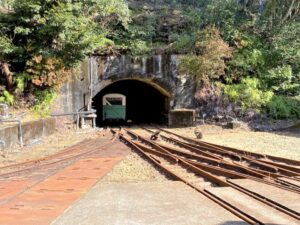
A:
(37, 202)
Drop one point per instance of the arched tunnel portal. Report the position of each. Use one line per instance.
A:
(146, 101)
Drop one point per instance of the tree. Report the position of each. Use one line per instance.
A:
(208, 61)
(6, 5)
(279, 12)
(286, 43)
(46, 39)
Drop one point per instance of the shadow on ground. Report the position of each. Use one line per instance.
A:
(243, 223)
(234, 223)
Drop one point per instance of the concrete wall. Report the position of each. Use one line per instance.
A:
(75, 93)
(31, 131)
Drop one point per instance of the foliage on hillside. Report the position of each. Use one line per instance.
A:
(263, 73)
(42, 42)
(248, 49)
(251, 47)
(207, 60)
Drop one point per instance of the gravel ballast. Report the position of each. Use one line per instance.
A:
(134, 168)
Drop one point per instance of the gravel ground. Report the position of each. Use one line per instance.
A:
(282, 144)
(134, 168)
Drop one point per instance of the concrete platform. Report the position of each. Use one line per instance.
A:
(146, 203)
(286, 198)
(255, 208)
(290, 181)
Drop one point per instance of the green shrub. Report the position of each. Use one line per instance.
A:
(139, 47)
(248, 58)
(282, 107)
(183, 43)
(7, 98)
(247, 94)
(279, 78)
(190, 64)
(44, 99)
(21, 81)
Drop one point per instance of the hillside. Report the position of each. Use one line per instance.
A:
(243, 55)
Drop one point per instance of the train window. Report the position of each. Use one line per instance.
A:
(114, 101)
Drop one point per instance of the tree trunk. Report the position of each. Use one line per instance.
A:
(288, 13)
(8, 75)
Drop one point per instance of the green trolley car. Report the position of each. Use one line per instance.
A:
(114, 107)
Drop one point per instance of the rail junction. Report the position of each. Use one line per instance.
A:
(254, 188)
(251, 186)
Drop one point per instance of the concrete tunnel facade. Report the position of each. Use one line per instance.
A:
(152, 86)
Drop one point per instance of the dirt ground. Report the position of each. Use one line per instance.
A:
(47, 145)
(283, 144)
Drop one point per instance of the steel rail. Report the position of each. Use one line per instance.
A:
(36, 161)
(258, 173)
(263, 156)
(260, 164)
(223, 163)
(282, 169)
(262, 173)
(287, 168)
(215, 179)
(205, 155)
(206, 175)
(284, 172)
(267, 201)
(211, 169)
(226, 205)
(263, 199)
(253, 161)
(39, 166)
(251, 174)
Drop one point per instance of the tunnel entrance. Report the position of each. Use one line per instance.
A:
(145, 103)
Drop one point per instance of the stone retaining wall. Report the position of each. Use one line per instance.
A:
(31, 131)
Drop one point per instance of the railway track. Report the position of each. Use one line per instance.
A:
(49, 186)
(60, 159)
(212, 170)
(263, 168)
(204, 166)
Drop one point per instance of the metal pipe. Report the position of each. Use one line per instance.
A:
(73, 113)
(78, 113)
(2, 144)
(89, 106)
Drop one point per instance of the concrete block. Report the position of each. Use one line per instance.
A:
(32, 130)
(181, 117)
(8, 137)
(49, 126)
(234, 125)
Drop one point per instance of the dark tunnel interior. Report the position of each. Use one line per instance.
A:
(145, 104)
